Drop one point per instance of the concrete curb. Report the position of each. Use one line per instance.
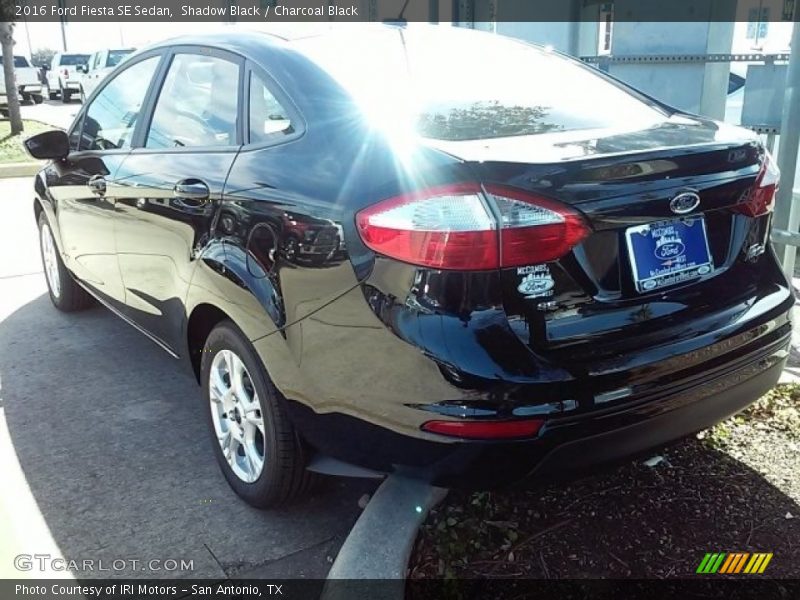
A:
(19, 169)
(380, 543)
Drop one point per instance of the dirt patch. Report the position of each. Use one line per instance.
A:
(732, 488)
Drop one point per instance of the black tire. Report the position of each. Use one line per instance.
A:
(283, 477)
(38, 99)
(26, 99)
(71, 296)
(51, 94)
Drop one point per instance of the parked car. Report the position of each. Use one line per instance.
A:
(99, 65)
(542, 269)
(28, 85)
(63, 77)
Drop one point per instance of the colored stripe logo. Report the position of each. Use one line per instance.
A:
(730, 563)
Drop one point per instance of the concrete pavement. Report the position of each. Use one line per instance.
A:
(113, 461)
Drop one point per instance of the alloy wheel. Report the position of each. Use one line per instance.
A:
(236, 414)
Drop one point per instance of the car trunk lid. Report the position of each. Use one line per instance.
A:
(595, 301)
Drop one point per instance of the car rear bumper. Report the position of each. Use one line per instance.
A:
(575, 447)
(31, 88)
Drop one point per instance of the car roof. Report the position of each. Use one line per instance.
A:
(242, 39)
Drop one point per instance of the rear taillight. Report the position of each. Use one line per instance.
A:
(534, 230)
(760, 199)
(455, 227)
(66, 72)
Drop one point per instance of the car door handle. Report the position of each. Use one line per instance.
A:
(97, 184)
(193, 190)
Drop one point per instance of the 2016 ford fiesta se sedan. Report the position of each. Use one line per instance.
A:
(420, 250)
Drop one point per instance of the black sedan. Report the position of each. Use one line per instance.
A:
(418, 249)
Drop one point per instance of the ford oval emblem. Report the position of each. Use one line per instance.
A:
(684, 202)
(669, 250)
(535, 285)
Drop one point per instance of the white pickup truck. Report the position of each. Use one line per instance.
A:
(63, 78)
(29, 87)
(100, 64)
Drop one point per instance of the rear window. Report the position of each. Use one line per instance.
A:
(735, 82)
(73, 60)
(455, 85)
(19, 62)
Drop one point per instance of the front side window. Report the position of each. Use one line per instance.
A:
(268, 119)
(198, 104)
(111, 117)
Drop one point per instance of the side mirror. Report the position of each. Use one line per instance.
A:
(48, 145)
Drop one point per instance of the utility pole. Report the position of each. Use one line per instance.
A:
(28, 38)
(62, 20)
(786, 215)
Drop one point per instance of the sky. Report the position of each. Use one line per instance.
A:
(83, 37)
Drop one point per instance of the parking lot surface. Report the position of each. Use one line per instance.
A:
(108, 437)
(52, 112)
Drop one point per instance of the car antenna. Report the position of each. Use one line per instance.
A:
(400, 20)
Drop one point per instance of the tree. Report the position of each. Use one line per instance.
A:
(42, 57)
(7, 41)
(483, 119)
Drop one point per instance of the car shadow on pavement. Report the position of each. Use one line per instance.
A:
(626, 521)
(112, 440)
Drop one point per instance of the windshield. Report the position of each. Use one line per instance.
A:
(116, 56)
(73, 60)
(455, 85)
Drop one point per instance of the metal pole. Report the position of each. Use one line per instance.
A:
(62, 19)
(28, 36)
(433, 11)
(786, 212)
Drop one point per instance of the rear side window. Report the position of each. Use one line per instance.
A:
(455, 85)
(112, 115)
(198, 104)
(269, 120)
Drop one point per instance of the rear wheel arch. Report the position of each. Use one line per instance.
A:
(202, 320)
(254, 307)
